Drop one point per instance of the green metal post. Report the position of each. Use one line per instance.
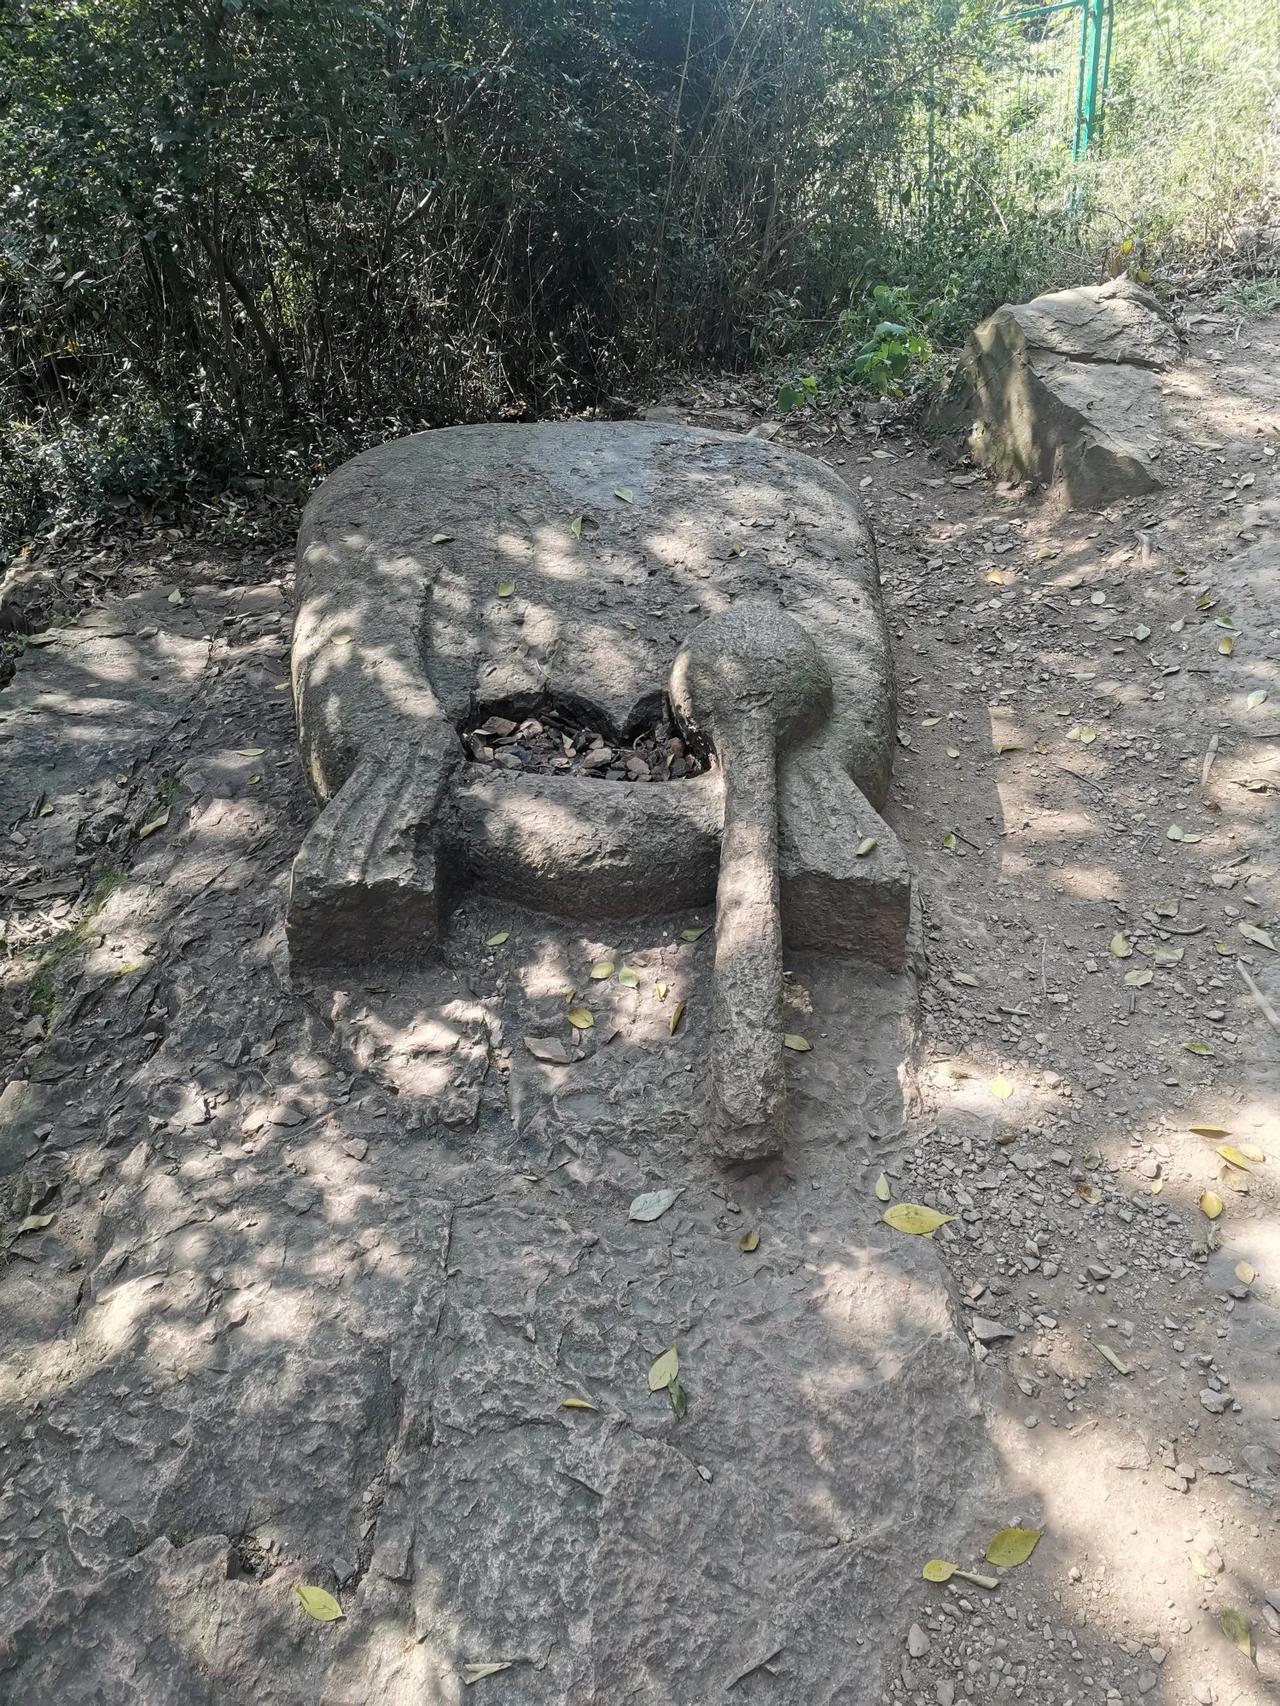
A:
(1077, 145)
(1095, 26)
(1106, 64)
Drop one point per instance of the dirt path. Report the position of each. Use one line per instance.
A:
(1067, 700)
(296, 1280)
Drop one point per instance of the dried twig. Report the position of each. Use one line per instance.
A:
(1267, 1010)
(1211, 752)
(1081, 777)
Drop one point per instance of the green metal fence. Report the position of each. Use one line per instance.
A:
(1093, 69)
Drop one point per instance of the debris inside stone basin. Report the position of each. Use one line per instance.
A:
(558, 741)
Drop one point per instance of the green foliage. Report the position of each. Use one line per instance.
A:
(895, 346)
(1259, 296)
(797, 394)
(243, 234)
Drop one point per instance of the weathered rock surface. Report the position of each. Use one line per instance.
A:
(1063, 391)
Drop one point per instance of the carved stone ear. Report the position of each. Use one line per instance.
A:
(366, 884)
(834, 897)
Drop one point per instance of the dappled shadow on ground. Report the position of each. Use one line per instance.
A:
(1114, 678)
(325, 1264)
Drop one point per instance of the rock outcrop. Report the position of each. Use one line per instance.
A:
(1064, 391)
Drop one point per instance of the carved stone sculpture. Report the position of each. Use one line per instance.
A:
(600, 566)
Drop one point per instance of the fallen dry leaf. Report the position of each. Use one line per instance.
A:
(318, 1603)
(664, 1370)
(1012, 1546)
(915, 1218)
(652, 1205)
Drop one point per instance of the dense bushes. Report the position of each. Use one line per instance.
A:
(234, 230)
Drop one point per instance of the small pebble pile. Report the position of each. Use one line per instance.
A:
(558, 743)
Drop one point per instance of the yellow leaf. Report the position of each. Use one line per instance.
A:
(1211, 1204)
(625, 493)
(966, 978)
(506, 589)
(1236, 1157)
(318, 1604)
(1235, 1179)
(580, 1019)
(576, 1404)
(1013, 1546)
(1210, 1130)
(484, 1667)
(1157, 1184)
(749, 1241)
(441, 538)
(1245, 1274)
(1120, 945)
(249, 751)
(1139, 979)
(602, 969)
(915, 1218)
(664, 1370)
(1226, 645)
(1262, 938)
(660, 990)
(1089, 1193)
(1252, 1152)
(882, 1188)
(1113, 1359)
(1002, 1089)
(497, 939)
(575, 527)
(868, 844)
(798, 1043)
(693, 932)
(938, 1570)
(153, 824)
(1237, 1630)
(677, 1013)
(628, 977)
